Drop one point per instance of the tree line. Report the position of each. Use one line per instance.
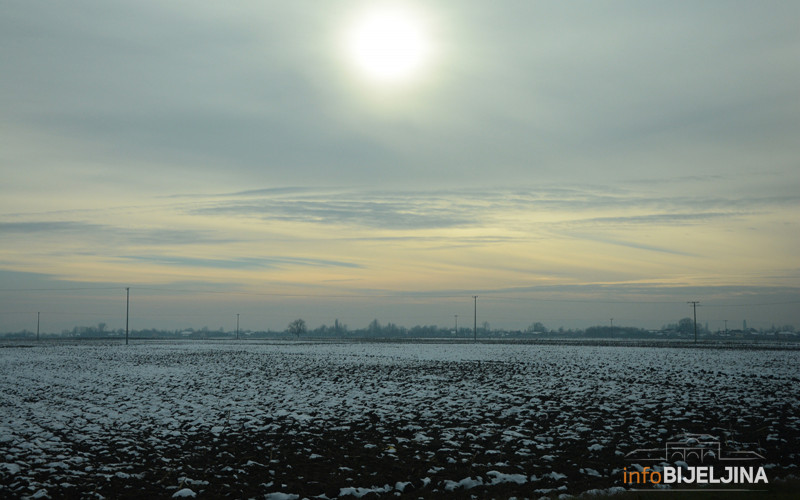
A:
(298, 328)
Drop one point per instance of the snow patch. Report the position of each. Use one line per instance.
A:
(184, 493)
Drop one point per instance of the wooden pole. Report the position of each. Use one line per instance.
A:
(127, 311)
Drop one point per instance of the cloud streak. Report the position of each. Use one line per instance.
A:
(89, 231)
(241, 264)
(408, 210)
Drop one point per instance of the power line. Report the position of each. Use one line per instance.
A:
(403, 295)
(412, 295)
(103, 314)
(583, 301)
(762, 304)
(71, 289)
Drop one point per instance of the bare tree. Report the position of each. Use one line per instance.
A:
(297, 327)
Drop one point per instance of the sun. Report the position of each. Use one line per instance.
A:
(389, 44)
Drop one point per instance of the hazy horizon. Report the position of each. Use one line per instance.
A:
(567, 163)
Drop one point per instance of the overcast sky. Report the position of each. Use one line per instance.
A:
(567, 162)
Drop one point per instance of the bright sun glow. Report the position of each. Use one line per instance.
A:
(389, 44)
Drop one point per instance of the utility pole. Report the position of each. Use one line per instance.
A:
(127, 311)
(456, 315)
(726, 327)
(694, 309)
(237, 326)
(612, 322)
(37, 326)
(475, 318)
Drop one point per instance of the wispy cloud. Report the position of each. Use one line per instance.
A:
(109, 233)
(656, 220)
(630, 244)
(241, 263)
(34, 227)
(404, 211)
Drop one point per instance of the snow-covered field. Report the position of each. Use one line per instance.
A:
(296, 420)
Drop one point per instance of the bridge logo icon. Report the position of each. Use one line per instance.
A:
(695, 448)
